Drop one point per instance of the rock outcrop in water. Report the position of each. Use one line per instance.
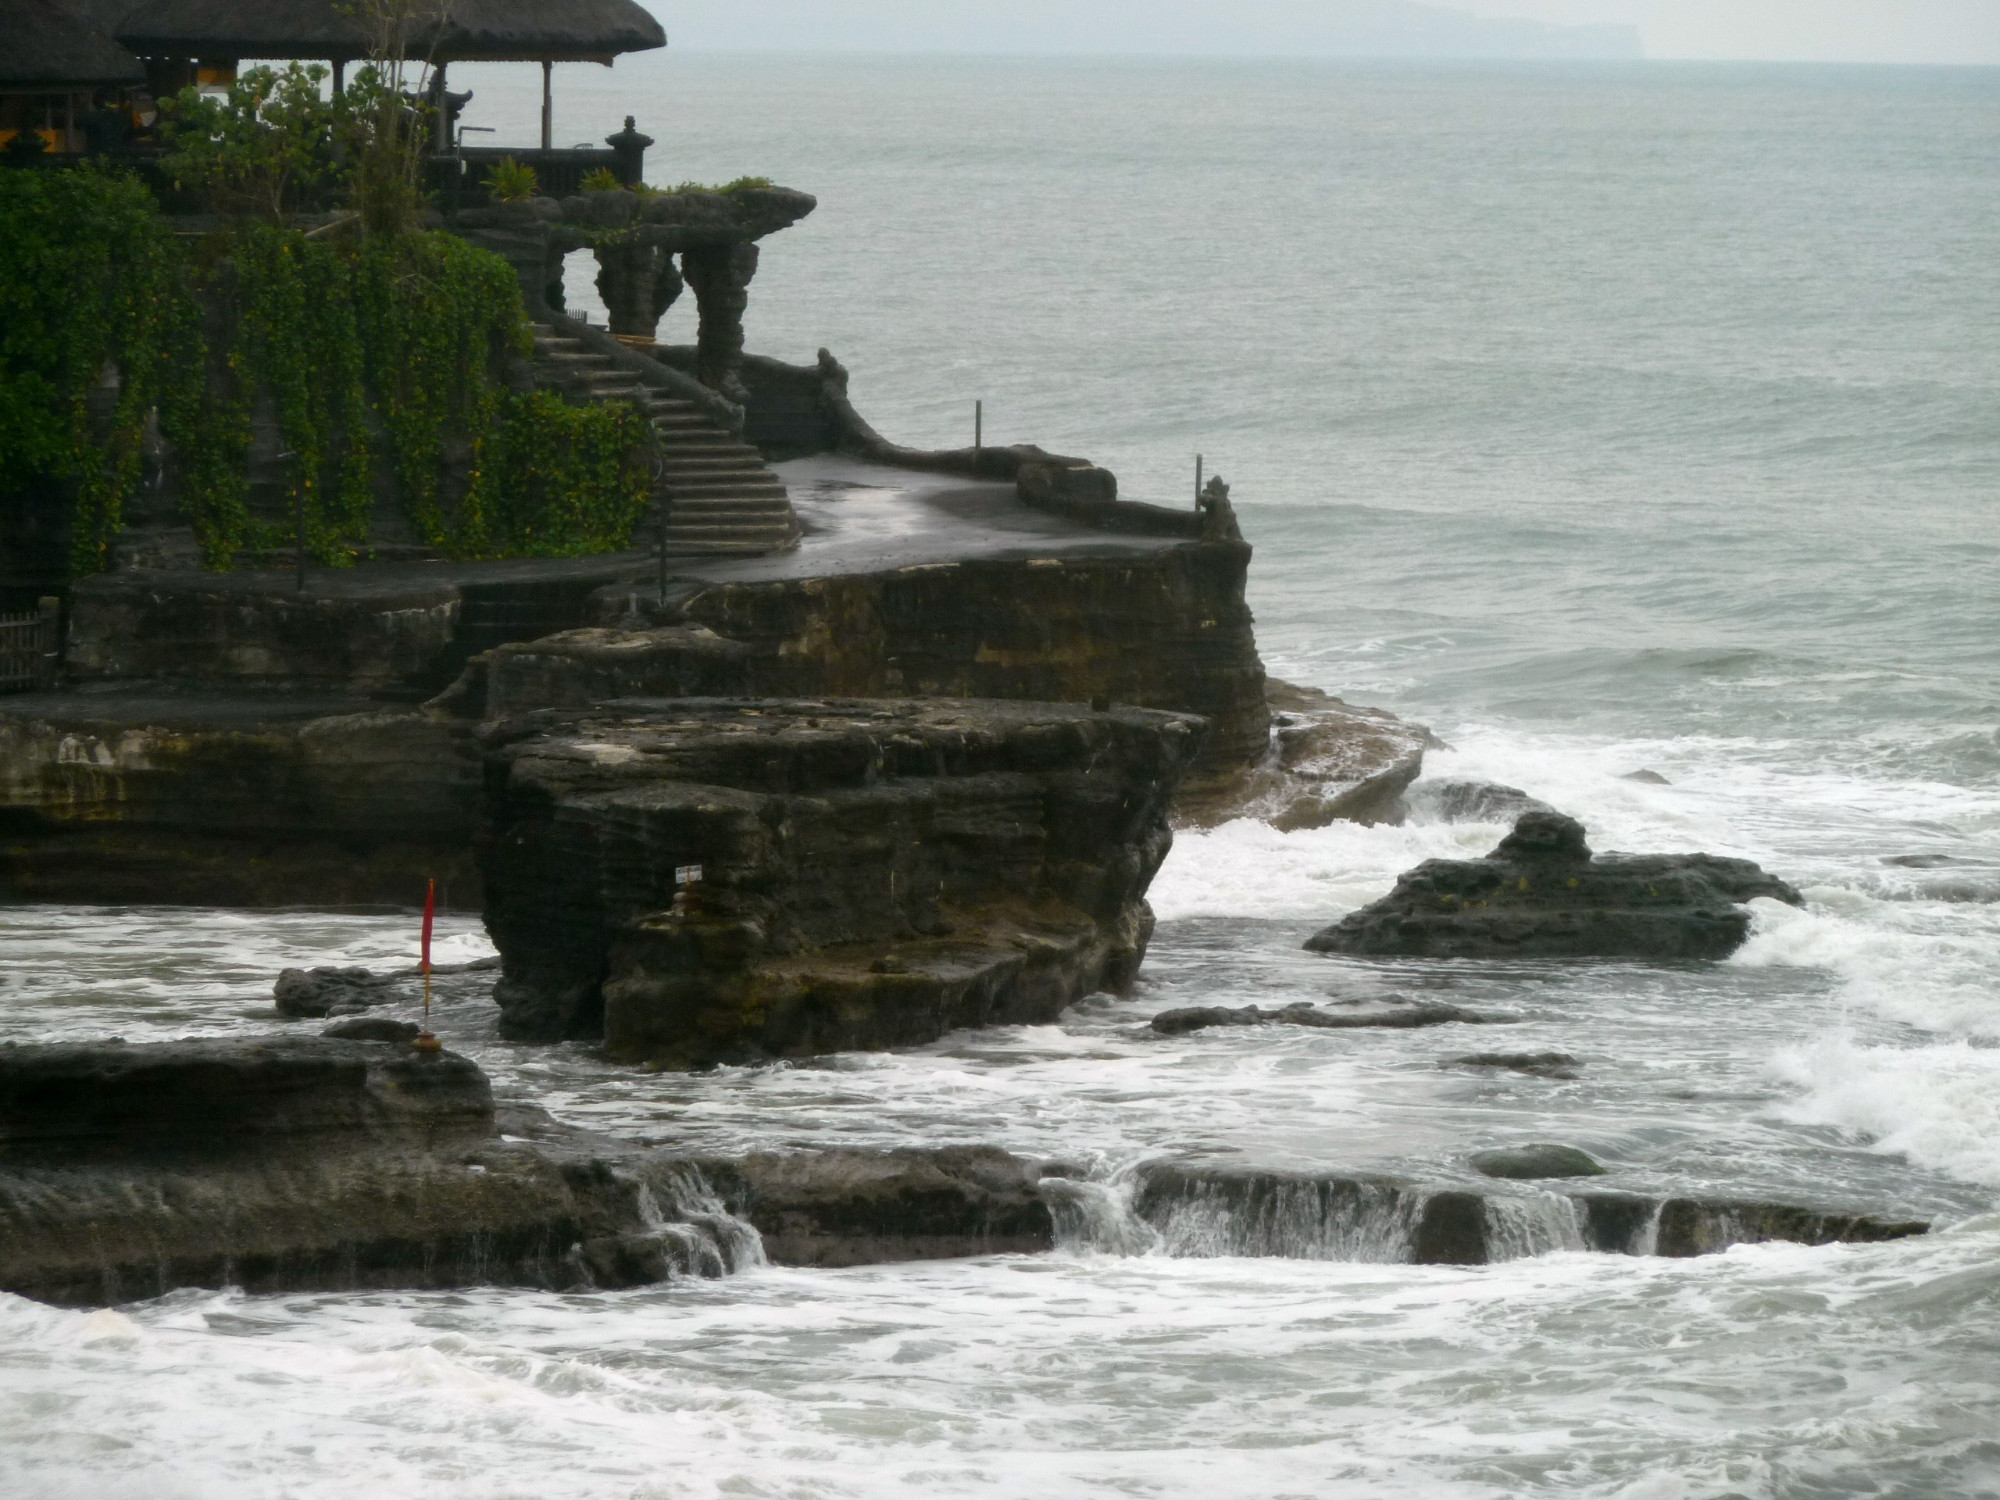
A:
(1541, 894)
(1328, 761)
(1534, 1163)
(1205, 1210)
(872, 874)
(290, 1164)
(850, 1208)
(276, 1164)
(1304, 1013)
(305, 1163)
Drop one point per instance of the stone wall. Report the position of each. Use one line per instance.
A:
(1165, 629)
(243, 805)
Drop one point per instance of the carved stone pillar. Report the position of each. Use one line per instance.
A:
(720, 276)
(638, 283)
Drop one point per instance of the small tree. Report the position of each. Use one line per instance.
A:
(388, 168)
(262, 149)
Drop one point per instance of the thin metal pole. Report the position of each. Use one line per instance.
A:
(1197, 481)
(978, 424)
(548, 106)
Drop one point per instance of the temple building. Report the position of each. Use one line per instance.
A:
(57, 69)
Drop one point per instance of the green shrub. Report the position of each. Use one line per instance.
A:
(265, 146)
(510, 181)
(601, 180)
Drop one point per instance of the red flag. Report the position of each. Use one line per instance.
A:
(430, 916)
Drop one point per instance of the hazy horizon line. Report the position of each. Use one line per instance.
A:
(1165, 54)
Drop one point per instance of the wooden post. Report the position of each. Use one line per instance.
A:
(548, 105)
(1197, 481)
(339, 76)
(978, 425)
(444, 113)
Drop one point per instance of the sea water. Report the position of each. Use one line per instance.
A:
(1605, 418)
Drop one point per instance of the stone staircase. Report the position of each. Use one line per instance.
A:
(717, 495)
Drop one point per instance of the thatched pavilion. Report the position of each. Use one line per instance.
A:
(213, 35)
(52, 63)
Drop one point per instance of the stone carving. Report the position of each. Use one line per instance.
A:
(1218, 516)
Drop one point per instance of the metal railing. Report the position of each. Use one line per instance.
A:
(29, 647)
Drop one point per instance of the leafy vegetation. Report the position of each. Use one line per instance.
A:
(398, 341)
(601, 180)
(510, 181)
(88, 286)
(741, 184)
(263, 149)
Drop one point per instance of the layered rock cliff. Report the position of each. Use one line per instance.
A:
(872, 873)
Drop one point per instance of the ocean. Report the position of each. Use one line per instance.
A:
(1606, 418)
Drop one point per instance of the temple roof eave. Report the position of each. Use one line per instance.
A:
(47, 47)
(464, 31)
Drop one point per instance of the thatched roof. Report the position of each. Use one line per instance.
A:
(444, 30)
(44, 45)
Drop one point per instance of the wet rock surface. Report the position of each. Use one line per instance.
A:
(1559, 1065)
(273, 1164)
(1541, 894)
(996, 853)
(1474, 801)
(1327, 762)
(845, 1208)
(306, 1163)
(1531, 1163)
(1210, 1210)
(1395, 1017)
(308, 993)
(373, 1029)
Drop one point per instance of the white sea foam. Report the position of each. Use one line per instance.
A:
(1570, 1374)
(1938, 1105)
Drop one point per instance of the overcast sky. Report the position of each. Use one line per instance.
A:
(1933, 31)
(1945, 31)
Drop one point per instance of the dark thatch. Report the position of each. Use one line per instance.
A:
(442, 30)
(47, 47)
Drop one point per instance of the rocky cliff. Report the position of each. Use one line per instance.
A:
(244, 800)
(872, 873)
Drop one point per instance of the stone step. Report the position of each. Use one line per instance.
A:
(709, 447)
(724, 490)
(691, 545)
(692, 461)
(730, 507)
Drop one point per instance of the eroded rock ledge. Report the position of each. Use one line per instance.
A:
(874, 873)
(291, 1164)
(294, 1164)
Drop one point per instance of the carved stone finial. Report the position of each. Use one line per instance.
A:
(1218, 516)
